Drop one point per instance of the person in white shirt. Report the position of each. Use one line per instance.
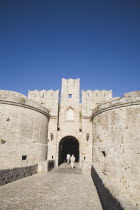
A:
(72, 161)
(68, 158)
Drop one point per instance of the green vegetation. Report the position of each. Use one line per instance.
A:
(2, 141)
(22, 100)
(80, 113)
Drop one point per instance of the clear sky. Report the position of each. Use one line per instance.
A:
(42, 41)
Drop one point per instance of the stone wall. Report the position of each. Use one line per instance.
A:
(109, 194)
(91, 99)
(69, 123)
(23, 131)
(10, 175)
(132, 94)
(49, 99)
(116, 146)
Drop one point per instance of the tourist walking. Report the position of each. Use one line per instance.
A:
(72, 159)
(68, 158)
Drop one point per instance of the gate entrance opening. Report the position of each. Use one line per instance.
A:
(68, 144)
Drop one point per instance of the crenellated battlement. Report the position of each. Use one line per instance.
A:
(43, 93)
(93, 98)
(103, 94)
(70, 81)
(48, 99)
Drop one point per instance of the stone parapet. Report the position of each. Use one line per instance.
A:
(110, 196)
(10, 175)
(132, 94)
(86, 168)
(17, 99)
(114, 104)
(48, 99)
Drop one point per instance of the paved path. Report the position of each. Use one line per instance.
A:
(60, 189)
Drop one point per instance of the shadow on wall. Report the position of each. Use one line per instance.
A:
(10, 175)
(108, 200)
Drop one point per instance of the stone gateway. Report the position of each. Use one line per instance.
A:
(102, 132)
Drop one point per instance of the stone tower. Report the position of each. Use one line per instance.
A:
(69, 107)
(68, 119)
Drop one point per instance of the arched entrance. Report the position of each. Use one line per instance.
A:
(68, 144)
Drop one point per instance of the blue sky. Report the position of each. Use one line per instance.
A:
(42, 41)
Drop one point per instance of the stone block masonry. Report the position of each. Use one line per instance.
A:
(10, 175)
(109, 195)
(116, 146)
(23, 131)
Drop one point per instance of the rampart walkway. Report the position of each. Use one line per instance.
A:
(60, 189)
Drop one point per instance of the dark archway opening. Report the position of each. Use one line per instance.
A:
(68, 144)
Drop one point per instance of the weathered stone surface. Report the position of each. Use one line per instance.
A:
(116, 145)
(14, 174)
(17, 99)
(132, 94)
(109, 194)
(48, 99)
(23, 131)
